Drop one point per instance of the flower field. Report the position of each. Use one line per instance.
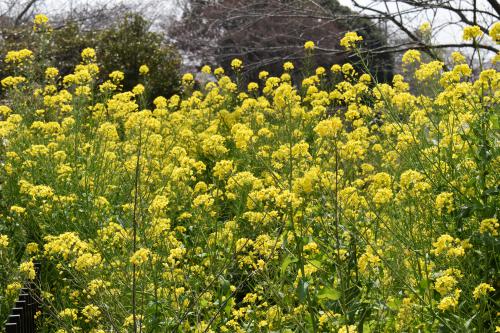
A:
(338, 204)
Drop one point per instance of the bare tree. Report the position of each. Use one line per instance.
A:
(445, 16)
(14, 12)
(264, 34)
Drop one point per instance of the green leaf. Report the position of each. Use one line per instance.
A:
(468, 322)
(286, 262)
(229, 306)
(316, 263)
(367, 328)
(225, 286)
(329, 294)
(424, 284)
(394, 304)
(302, 290)
(494, 122)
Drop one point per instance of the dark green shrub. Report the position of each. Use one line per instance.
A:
(129, 45)
(123, 45)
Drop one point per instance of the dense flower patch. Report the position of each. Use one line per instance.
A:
(341, 205)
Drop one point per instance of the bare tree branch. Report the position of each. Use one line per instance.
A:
(24, 11)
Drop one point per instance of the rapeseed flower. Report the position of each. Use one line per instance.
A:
(471, 32)
(482, 290)
(350, 39)
(309, 45)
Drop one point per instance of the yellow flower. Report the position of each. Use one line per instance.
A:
(18, 57)
(425, 28)
(236, 64)
(219, 71)
(263, 75)
(28, 268)
(449, 302)
(429, 70)
(495, 32)
(223, 168)
(88, 54)
(382, 196)
(288, 66)
(410, 57)
(206, 69)
(4, 241)
(252, 86)
(91, 312)
(309, 45)
(336, 68)
(158, 205)
(86, 261)
(368, 260)
(40, 22)
(349, 40)
(444, 284)
(242, 135)
(187, 79)
(320, 71)
(444, 201)
(489, 226)
(446, 244)
(457, 57)
(348, 69)
(51, 72)
(328, 128)
(5, 110)
(138, 89)
(140, 257)
(116, 76)
(472, 32)
(160, 102)
(40, 19)
(348, 329)
(70, 314)
(214, 145)
(17, 209)
(32, 248)
(482, 290)
(143, 70)
(13, 289)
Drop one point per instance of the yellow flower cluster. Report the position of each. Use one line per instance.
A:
(495, 32)
(88, 55)
(482, 290)
(449, 302)
(490, 226)
(4, 241)
(69, 314)
(91, 313)
(449, 246)
(284, 205)
(40, 19)
(12, 81)
(28, 268)
(309, 45)
(350, 39)
(444, 202)
(411, 56)
(472, 32)
(236, 64)
(328, 128)
(140, 257)
(425, 28)
(18, 57)
(144, 70)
